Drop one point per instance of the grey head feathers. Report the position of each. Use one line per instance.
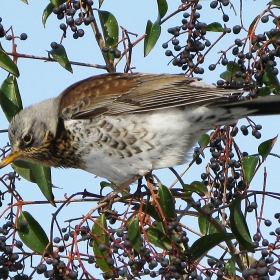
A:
(32, 119)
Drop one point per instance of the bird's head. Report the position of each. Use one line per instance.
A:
(29, 132)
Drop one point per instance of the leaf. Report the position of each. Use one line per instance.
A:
(46, 13)
(162, 9)
(249, 165)
(35, 173)
(265, 91)
(212, 229)
(56, 3)
(265, 147)
(214, 27)
(104, 184)
(148, 209)
(134, 233)
(230, 266)
(275, 2)
(239, 226)
(59, 55)
(204, 140)
(7, 64)
(23, 169)
(100, 3)
(159, 239)
(153, 31)
(33, 236)
(101, 236)
(202, 222)
(201, 246)
(271, 80)
(232, 67)
(42, 175)
(197, 187)
(166, 202)
(110, 29)
(10, 99)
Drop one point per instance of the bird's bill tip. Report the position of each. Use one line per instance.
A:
(9, 159)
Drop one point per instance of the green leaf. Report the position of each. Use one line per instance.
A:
(153, 31)
(204, 140)
(134, 233)
(159, 239)
(275, 2)
(212, 229)
(110, 29)
(265, 91)
(214, 27)
(265, 147)
(201, 246)
(60, 56)
(148, 209)
(101, 236)
(249, 165)
(42, 175)
(162, 9)
(56, 3)
(33, 236)
(23, 169)
(239, 226)
(10, 99)
(105, 184)
(7, 64)
(271, 80)
(46, 13)
(197, 187)
(232, 68)
(166, 202)
(230, 266)
(35, 173)
(202, 222)
(100, 3)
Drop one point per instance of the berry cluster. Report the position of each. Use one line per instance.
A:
(71, 11)
(251, 60)
(3, 33)
(190, 56)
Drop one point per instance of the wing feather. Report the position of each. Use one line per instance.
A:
(115, 94)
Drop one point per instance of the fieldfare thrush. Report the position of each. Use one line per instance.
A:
(117, 126)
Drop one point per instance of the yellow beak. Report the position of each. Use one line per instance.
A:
(9, 159)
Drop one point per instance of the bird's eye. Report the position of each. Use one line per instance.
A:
(27, 138)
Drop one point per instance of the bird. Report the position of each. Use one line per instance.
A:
(119, 125)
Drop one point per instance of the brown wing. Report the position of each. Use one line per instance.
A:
(114, 94)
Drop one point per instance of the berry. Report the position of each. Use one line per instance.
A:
(236, 29)
(56, 240)
(54, 45)
(63, 26)
(214, 4)
(80, 32)
(23, 36)
(168, 53)
(212, 67)
(225, 18)
(265, 19)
